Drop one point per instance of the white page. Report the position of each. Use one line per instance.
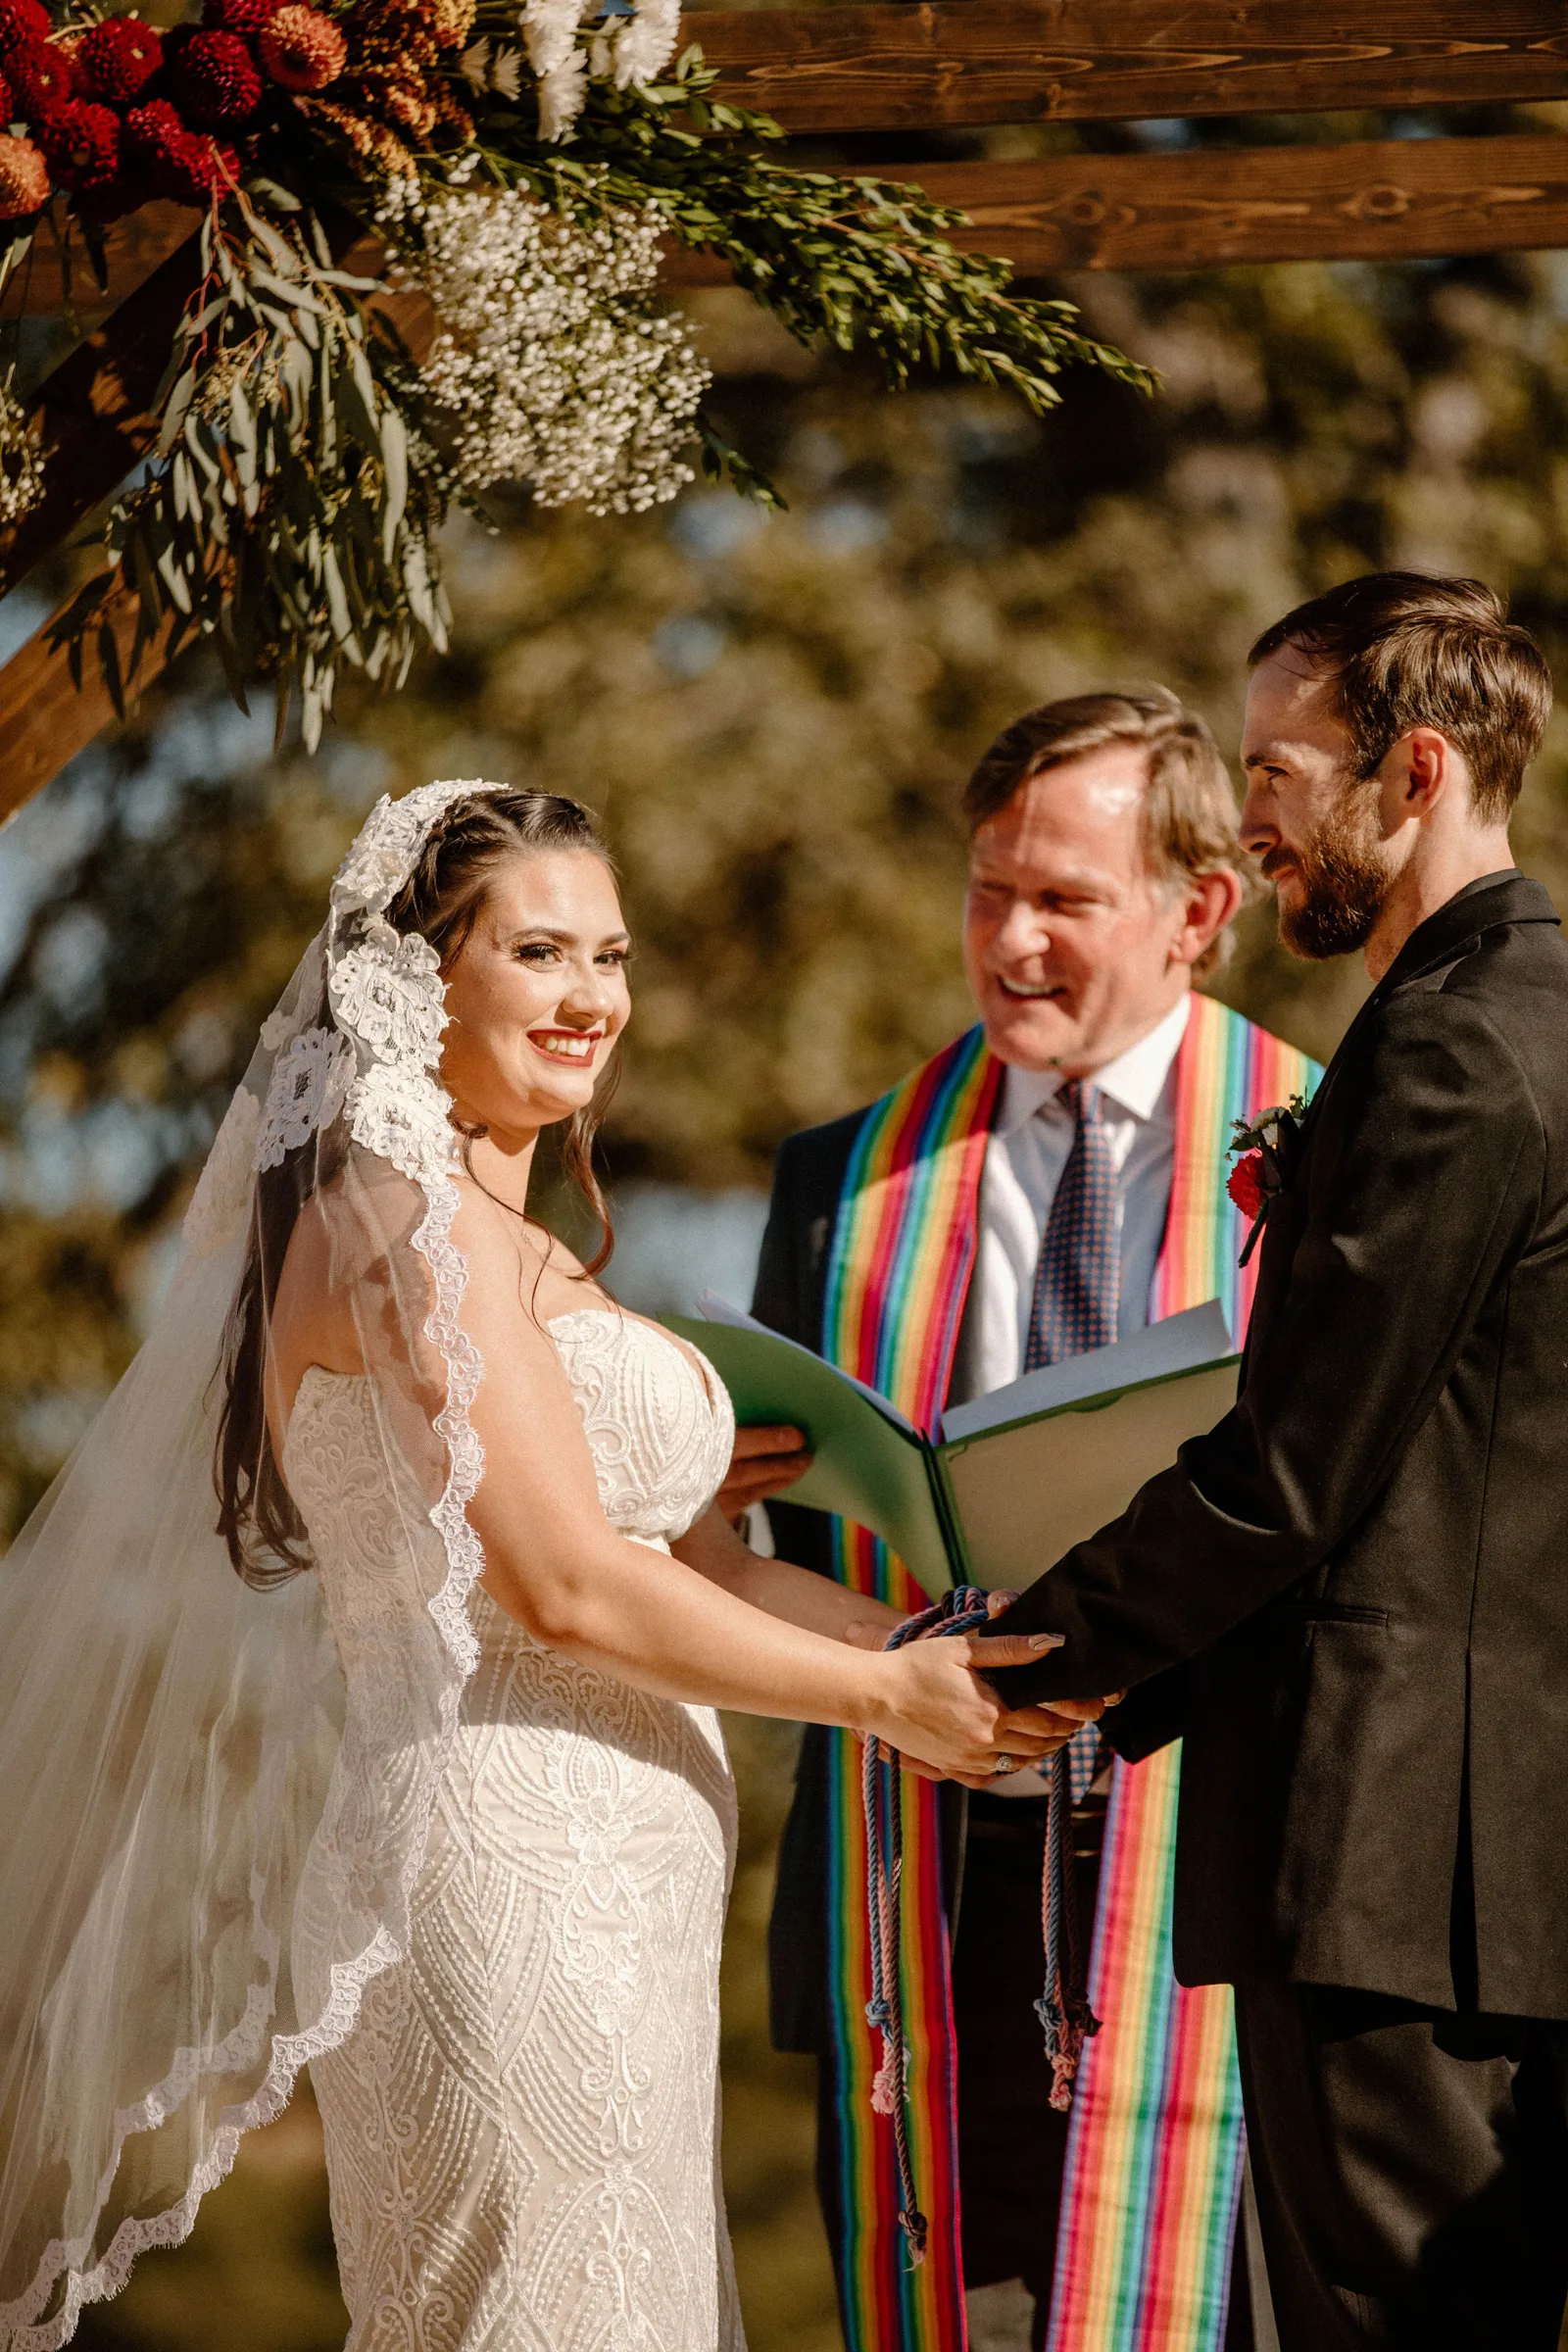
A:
(1027, 1494)
(1198, 1334)
(715, 1309)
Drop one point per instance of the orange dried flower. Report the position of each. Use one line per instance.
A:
(301, 49)
(24, 180)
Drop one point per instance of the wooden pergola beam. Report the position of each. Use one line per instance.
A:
(953, 61)
(1377, 200)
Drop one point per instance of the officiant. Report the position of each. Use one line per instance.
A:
(1047, 1183)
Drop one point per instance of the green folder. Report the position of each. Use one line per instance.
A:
(1016, 1478)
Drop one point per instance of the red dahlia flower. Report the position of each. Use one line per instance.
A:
(184, 165)
(81, 142)
(245, 17)
(41, 77)
(118, 57)
(302, 49)
(214, 78)
(238, 16)
(24, 180)
(1245, 1184)
(8, 105)
(22, 21)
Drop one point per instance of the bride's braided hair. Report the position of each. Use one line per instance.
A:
(257, 1518)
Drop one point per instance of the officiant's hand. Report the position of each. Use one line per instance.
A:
(766, 1460)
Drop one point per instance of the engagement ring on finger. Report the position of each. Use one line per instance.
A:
(1005, 1764)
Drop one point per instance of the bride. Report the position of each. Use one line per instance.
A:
(449, 1816)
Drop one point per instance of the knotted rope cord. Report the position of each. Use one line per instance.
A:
(958, 1612)
(1063, 2007)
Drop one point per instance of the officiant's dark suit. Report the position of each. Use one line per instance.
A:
(1352, 1601)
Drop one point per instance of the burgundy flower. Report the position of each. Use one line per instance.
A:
(245, 17)
(81, 142)
(24, 180)
(302, 49)
(118, 57)
(184, 165)
(1245, 1184)
(22, 21)
(213, 78)
(8, 105)
(42, 75)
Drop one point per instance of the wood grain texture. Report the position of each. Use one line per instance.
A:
(96, 412)
(43, 720)
(133, 249)
(912, 68)
(1382, 200)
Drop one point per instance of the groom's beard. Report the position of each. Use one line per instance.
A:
(1343, 879)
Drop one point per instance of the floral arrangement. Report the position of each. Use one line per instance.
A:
(525, 164)
(1264, 1151)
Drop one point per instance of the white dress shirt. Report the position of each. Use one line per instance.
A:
(1025, 1158)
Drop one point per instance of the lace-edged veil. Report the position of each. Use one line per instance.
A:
(175, 1744)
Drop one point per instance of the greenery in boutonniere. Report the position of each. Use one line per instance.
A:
(1259, 1147)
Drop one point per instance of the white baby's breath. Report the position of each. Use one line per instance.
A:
(552, 366)
(22, 481)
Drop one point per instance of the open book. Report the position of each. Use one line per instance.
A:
(1016, 1477)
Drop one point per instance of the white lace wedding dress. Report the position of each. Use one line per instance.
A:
(521, 2132)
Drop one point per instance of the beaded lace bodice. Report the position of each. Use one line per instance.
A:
(521, 2132)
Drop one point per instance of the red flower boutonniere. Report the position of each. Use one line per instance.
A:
(1245, 1185)
(1265, 1151)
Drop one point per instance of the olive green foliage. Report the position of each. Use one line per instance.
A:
(774, 713)
(859, 262)
(281, 518)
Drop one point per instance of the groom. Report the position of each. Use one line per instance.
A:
(1052, 1180)
(1352, 1597)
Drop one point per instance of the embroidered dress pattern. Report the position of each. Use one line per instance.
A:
(521, 2129)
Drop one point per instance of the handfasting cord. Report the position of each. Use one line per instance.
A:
(958, 1612)
(1063, 2007)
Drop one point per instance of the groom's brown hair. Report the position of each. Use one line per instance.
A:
(1411, 649)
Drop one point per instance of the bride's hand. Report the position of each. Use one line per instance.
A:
(933, 1704)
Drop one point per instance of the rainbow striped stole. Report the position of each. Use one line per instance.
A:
(1153, 2159)
(903, 1251)
(1154, 2146)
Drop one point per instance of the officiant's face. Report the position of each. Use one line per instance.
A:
(1072, 944)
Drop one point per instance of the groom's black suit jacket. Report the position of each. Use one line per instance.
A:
(1352, 1597)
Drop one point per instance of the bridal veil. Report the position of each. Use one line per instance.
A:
(173, 1738)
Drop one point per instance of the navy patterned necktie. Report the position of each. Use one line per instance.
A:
(1077, 1292)
(1078, 1277)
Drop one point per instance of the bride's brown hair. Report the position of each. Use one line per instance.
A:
(440, 900)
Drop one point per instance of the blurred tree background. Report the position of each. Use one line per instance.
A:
(773, 715)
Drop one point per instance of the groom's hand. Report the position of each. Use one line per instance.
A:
(765, 1462)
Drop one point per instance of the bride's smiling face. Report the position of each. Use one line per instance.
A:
(536, 995)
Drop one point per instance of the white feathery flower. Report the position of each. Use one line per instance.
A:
(552, 366)
(646, 43)
(549, 29)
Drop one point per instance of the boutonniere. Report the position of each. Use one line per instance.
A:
(1265, 1151)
